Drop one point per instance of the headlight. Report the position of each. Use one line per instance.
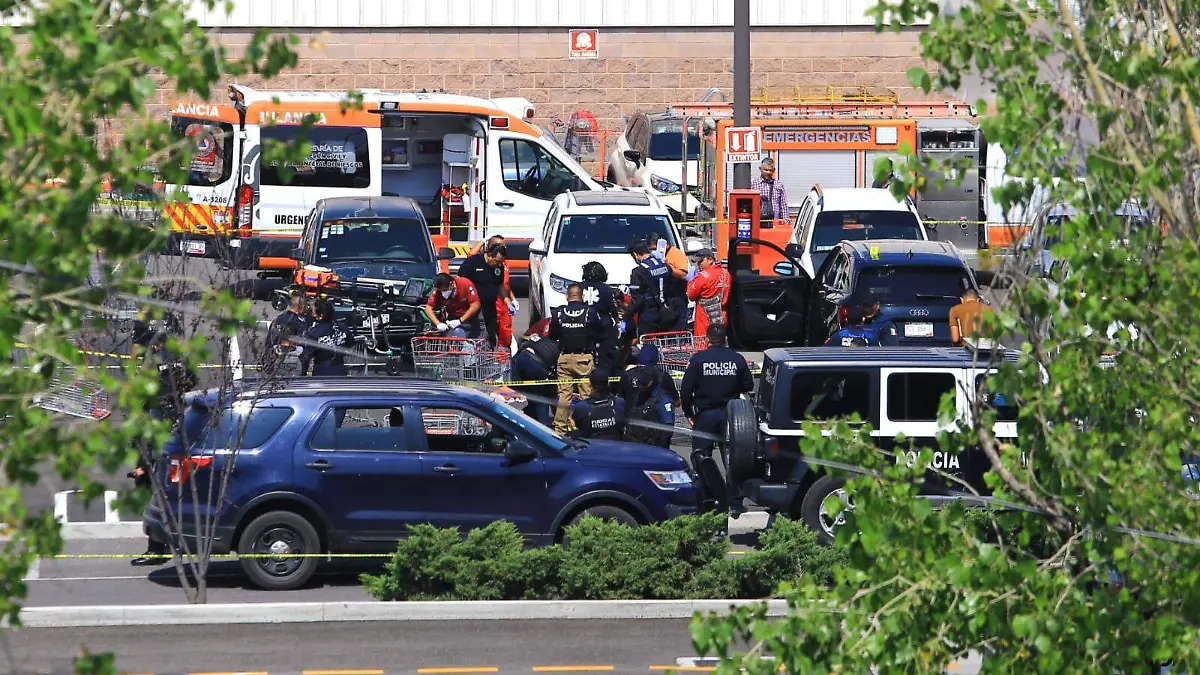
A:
(669, 480)
(560, 284)
(662, 184)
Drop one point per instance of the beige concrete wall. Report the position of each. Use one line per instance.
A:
(637, 69)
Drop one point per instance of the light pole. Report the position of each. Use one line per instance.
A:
(741, 81)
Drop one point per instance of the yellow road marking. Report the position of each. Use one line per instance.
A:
(342, 672)
(572, 669)
(458, 671)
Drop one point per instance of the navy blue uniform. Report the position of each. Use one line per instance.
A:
(650, 396)
(714, 377)
(647, 286)
(599, 417)
(536, 359)
(279, 326)
(600, 297)
(885, 332)
(488, 281)
(577, 328)
(326, 361)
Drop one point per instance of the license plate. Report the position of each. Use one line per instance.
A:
(194, 247)
(918, 330)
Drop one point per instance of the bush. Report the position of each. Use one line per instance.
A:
(685, 557)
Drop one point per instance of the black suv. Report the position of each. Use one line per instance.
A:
(894, 389)
(373, 258)
(915, 282)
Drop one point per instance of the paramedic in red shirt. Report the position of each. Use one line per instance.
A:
(506, 303)
(709, 289)
(454, 306)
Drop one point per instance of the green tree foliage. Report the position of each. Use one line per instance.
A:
(1096, 569)
(69, 68)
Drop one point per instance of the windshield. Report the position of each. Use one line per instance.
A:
(914, 285)
(835, 226)
(610, 233)
(539, 431)
(666, 141)
(399, 239)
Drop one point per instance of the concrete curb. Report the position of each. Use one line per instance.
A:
(312, 612)
(132, 529)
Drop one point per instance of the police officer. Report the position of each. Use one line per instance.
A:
(537, 359)
(853, 331)
(578, 330)
(598, 295)
(647, 285)
(714, 377)
(294, 317)
(601, 415)
(650, 397)
(675, 289)
(174, 380)
(331, 337)
(882, 328)
(486, 271)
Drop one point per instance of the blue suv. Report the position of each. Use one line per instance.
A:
(346, 465)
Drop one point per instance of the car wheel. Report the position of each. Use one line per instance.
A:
(614, 514)
(275, 540)
(818, 507)
(741, 440)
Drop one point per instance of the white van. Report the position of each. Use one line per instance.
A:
(476, 167)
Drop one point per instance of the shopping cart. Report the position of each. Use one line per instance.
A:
(675, 349)
(454, 423)
(74, 391)
(459, 360)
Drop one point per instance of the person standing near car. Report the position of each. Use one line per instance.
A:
(650, 398)
(647, 284)
(294, 317)
(882, 329)
(453, 307)
(578, 331)
(966, 316)
(714, 377)
(853, 330)
(598, 295)
(506, 303)
(676, 285)
(709, 289)
(600, 416)
(536, 360)
(486, 271)
(330, 336)
(773, 203)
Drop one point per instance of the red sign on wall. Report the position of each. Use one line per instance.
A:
(584, 43)
(742, 144)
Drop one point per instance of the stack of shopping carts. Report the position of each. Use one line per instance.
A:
(452, 359)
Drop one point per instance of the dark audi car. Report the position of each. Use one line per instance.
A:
(915, 282)
(346, 465)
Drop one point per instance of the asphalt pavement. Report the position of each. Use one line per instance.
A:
(376, 648)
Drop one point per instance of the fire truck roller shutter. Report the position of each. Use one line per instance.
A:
(799, 170)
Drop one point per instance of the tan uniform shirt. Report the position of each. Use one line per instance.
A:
(966, 315)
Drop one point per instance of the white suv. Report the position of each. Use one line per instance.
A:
(830, 216)
(588, 226)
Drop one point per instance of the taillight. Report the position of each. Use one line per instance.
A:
(843, 315)
(245, 211)
(179, 471)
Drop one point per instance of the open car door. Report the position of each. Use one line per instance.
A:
(768, 310)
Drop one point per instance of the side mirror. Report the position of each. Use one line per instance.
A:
(794, 250)
(497, 446)
(445, 254)
(785, 269)
(634, 156)
(297, 254)
(519, 451)
(693, 246)
(538, 246)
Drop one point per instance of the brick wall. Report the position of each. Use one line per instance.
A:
(637, 69)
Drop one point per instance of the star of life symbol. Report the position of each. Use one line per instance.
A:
(591, 295)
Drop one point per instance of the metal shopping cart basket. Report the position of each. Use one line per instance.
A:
(459, 360)
(675, 349)
(75, 391)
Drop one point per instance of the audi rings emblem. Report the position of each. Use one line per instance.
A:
(918, 312)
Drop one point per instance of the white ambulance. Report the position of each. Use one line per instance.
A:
(477, 167)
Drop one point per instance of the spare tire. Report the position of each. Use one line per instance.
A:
(741, 440)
